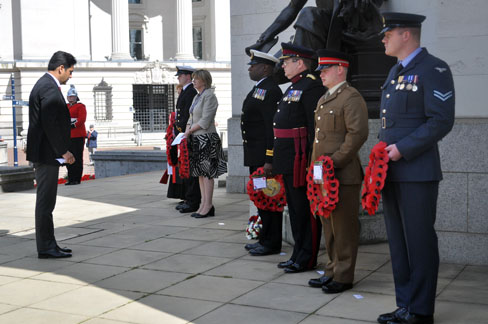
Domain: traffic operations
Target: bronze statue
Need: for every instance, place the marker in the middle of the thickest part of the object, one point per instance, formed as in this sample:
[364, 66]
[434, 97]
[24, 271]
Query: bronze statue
[324, 26]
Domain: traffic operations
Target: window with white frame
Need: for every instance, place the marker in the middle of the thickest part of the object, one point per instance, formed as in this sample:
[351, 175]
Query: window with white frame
[198, 42]
[136, 48]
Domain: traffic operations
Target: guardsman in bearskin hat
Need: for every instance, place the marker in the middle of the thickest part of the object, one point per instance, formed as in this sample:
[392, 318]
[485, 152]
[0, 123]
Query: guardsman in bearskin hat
[257, 115]
[294, 132]
[187, 189]
[341, 128]
[417, 111]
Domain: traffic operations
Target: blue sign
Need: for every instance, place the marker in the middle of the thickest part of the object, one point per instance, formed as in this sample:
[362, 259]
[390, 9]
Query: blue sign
[20, 103]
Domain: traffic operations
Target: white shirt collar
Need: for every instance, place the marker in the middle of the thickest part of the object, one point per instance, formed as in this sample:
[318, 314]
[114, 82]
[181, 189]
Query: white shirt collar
[52, 76]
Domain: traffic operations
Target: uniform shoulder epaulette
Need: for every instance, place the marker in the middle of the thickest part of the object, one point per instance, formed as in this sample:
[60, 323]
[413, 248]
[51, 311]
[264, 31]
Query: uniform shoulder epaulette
[311, 76]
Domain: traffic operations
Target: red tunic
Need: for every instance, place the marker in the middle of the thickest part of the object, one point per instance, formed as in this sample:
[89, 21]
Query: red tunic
[78, 111]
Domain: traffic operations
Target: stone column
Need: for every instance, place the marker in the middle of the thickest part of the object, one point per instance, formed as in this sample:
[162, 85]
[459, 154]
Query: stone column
[184, 34]
[120, 30]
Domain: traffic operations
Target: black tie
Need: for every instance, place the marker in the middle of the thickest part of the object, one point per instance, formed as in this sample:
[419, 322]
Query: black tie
[398, 68]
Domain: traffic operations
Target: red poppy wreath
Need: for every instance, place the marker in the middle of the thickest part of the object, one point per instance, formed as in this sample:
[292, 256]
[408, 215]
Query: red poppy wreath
[324, 196]
[374, 178]
[184, 168]
[272, 197]
[170, 136]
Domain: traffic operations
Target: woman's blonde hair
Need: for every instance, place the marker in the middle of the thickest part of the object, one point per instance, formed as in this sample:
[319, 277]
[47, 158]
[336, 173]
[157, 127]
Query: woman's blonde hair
[204, 76]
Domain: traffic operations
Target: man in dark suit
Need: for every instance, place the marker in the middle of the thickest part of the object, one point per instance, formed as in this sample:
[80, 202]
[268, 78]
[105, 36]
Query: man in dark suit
[417, 111]
[258, 110]
[190, 186]
[294, 132]
[48, 141]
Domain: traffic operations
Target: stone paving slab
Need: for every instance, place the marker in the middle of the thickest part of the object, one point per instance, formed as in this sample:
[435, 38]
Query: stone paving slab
[137, 260]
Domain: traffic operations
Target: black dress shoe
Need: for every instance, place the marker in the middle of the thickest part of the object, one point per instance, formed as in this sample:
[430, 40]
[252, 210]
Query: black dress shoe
[335, 287]
[53, 254]
[65, 249]
[72, 183]
[252, 246]
[188, 209]
[285, 264]
[295, 268]
[411, 318]
[263, 250]
[211, 212]
[181, 206]
[392, 317]
[319, 282]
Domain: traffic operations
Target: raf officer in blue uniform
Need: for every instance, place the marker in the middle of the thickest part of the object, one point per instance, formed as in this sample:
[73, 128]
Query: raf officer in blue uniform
[417, 111]
[294, 132]
[258, 110]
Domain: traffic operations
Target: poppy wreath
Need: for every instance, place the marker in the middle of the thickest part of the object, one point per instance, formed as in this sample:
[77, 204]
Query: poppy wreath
[262, 201]
[374, 178]
[183, 160]
[324, 196]
[170, 136]
[254, 227]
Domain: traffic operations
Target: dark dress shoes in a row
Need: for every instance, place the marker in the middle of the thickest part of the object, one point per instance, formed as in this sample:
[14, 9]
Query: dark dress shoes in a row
[319, 282]
[406, 317]
[252, 246]
[211, 212]
[393, 316]
[263, 250]
[295, 268]
[53, 254]
[72, 183]
[285, 264]
[186, 208]
[335, 287]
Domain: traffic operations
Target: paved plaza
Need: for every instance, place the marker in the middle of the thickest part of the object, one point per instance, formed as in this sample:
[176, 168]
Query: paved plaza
[137, 260]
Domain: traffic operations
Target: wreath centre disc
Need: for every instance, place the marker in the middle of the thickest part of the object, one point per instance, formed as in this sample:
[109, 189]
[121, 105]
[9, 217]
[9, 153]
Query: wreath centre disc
[273, 188]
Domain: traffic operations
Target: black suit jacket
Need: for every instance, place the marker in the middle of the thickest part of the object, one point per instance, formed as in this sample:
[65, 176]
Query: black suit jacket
[258, 110]
[49, 123]
[183, 105]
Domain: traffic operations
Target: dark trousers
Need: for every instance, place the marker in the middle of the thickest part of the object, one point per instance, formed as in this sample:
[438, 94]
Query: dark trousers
[75, 170]
[192, 191]
[305, 228]
[47, 189]
[270, 234]
[410, 212]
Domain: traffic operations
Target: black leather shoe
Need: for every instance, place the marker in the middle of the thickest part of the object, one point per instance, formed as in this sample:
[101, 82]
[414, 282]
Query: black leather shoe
[65, 249]
[285, 264]
[392, 317]
[72, 183]
[295, 268]
[188, 209]
[263, 250]
[181, 206]
[335, 287]
[411, 318]
[319, 282]
[53, 254]
[211, 212]
[252, 246]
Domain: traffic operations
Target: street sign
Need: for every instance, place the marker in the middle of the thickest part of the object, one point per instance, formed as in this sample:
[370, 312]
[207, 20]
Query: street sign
[7, 97]
[20, 103]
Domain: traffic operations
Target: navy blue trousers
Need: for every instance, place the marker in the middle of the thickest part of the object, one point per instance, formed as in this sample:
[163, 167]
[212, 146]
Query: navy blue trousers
[410, 212]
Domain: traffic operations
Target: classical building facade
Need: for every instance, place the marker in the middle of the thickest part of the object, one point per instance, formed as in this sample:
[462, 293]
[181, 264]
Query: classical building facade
[457, 33]
[127, 51]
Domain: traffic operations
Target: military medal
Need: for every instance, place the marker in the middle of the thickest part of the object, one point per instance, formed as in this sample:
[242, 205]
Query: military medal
[259, 94]
[409, 87]
[399, 82]
[402, 86]
[415, 87]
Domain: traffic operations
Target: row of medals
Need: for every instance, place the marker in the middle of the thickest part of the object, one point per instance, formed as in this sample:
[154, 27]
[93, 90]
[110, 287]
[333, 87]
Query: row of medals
[408, 83]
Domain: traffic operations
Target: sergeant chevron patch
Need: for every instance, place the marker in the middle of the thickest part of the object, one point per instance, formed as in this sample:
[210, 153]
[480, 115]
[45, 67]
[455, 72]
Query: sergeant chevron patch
[442, 96]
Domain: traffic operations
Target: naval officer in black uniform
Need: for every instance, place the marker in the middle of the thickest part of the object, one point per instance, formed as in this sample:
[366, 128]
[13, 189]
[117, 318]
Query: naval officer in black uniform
[257, 115]
[190, 187]
[294, 132]
[417, 111]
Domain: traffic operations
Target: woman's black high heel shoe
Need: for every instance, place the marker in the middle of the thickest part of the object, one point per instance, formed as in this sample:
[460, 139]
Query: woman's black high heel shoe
[211, 212]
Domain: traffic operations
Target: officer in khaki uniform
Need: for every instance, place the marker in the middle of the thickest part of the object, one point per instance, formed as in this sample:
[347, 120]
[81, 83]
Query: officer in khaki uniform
[341, 128]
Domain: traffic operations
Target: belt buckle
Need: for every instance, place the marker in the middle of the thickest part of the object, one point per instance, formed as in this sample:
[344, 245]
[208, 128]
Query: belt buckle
[383, 122]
